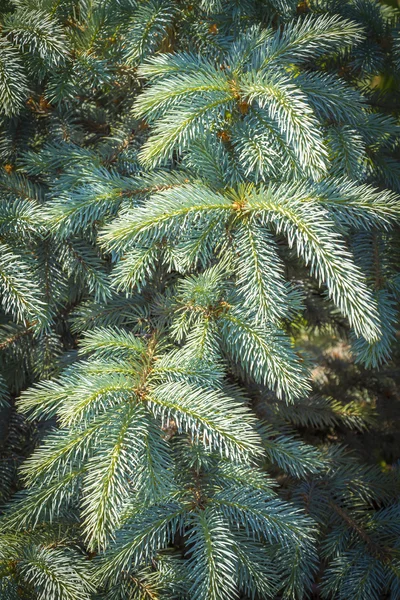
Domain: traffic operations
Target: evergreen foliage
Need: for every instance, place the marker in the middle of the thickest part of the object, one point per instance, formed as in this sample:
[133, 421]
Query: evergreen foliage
[188, 189]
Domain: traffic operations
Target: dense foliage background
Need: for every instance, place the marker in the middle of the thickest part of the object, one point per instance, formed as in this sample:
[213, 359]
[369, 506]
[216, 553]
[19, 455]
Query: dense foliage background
[199, 282]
